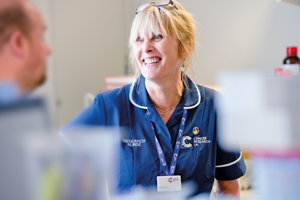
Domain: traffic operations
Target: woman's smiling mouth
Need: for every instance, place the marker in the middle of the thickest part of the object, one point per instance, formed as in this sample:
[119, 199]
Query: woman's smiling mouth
[151, 61]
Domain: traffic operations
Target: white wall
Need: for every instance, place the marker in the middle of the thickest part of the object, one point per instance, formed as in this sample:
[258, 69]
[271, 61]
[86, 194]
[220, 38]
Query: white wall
[47, 89]
[88, 45]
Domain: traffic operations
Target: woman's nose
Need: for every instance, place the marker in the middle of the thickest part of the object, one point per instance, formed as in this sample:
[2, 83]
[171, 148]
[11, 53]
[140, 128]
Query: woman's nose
[147, 46]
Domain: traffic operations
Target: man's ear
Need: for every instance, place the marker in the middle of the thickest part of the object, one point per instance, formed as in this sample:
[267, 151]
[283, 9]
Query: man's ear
[18, 44]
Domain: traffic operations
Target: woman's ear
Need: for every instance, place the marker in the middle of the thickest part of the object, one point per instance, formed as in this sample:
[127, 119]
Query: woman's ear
[186, 52]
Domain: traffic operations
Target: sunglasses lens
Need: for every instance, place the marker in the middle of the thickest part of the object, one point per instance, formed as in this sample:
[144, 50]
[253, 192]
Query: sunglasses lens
[142, 7]
[162, 2]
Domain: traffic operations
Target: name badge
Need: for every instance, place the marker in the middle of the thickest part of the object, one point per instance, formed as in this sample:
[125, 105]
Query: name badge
[168, 183]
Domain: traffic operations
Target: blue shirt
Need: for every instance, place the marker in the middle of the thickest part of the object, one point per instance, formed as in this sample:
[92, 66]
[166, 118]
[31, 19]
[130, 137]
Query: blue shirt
[9, 93]
[200, 158]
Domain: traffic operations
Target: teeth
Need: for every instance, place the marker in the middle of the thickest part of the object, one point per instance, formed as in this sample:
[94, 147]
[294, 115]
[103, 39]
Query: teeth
[150, 61]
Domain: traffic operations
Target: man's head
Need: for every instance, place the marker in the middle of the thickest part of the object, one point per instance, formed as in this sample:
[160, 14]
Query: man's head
[23, 51]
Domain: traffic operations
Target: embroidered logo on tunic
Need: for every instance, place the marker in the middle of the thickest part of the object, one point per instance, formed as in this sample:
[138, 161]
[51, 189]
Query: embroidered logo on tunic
[200, 140]
[195, 130]
[134, 142]
[184, 141]
[188, 142]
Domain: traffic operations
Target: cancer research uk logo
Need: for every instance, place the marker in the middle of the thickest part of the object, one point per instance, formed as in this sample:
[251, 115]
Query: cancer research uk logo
[188, 141]
[200, 140]
[134, 142]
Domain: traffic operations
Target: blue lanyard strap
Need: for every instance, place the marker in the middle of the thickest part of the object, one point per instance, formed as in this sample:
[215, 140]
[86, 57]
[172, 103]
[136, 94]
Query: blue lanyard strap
[176, 150]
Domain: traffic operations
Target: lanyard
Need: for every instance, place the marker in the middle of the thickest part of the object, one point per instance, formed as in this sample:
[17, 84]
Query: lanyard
[176, 150]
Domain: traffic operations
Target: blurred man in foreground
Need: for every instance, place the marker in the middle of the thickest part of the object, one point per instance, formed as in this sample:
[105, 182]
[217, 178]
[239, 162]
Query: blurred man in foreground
[23, 55]
[23, 50]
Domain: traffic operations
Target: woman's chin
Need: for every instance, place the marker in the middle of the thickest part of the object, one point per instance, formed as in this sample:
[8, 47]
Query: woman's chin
[149, 74]
[150, 78]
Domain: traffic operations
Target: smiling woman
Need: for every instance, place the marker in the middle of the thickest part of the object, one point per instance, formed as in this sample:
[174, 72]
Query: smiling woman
[174, 117]
[157, 57]
[164, 22]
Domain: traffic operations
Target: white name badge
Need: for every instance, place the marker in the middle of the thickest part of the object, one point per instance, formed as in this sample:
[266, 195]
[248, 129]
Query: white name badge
[168, 183]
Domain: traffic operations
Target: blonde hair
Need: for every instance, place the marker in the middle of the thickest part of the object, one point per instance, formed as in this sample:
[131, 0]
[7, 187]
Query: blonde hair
[169, 22]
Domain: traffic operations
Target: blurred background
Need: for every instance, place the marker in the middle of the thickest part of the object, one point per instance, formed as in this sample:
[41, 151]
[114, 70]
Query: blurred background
[90, 41]
[238, 41]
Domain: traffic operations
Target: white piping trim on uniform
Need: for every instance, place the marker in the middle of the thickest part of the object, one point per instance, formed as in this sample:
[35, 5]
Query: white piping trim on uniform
[130, 97]
[229, 164]
[199, 100]
[144, 107]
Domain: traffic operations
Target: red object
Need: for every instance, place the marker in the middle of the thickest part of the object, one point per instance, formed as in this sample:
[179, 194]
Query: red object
[291, 51]
[280, 73]
[283, 73]
[276, 70]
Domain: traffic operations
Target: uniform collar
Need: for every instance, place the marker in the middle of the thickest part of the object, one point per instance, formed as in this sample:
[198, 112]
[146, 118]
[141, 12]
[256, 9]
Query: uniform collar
[139, 97]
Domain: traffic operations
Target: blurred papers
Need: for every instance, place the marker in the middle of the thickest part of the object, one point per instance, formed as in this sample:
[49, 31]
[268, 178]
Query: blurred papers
[150, 193]
[258, 111]
[277, 177]
[19, 118]
[75, 166]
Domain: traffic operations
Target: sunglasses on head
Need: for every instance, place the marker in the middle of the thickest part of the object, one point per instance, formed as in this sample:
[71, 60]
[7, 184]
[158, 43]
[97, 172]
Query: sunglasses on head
[157, 4]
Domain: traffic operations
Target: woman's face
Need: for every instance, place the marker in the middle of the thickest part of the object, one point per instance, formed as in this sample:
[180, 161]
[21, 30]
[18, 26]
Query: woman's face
[157, 57]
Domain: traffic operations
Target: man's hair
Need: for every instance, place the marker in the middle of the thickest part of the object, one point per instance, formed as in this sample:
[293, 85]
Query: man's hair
[13, 17]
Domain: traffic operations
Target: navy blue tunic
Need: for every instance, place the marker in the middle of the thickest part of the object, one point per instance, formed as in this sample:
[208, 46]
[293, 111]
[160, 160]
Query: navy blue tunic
[200, 158]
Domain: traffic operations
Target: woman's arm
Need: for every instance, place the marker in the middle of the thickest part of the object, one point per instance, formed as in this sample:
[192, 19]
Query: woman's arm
[231, 188]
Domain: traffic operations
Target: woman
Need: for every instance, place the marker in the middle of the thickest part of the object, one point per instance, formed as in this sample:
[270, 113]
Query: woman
[172, 121]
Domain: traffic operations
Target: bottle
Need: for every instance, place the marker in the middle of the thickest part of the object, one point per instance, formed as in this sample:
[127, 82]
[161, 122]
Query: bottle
[291, 63]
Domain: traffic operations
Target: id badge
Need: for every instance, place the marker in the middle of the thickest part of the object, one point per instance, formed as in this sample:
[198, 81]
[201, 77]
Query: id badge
[168, 183]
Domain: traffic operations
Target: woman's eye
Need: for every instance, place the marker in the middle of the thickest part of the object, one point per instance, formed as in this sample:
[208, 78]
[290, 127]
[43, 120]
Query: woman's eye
[139, 39]
[157, 37]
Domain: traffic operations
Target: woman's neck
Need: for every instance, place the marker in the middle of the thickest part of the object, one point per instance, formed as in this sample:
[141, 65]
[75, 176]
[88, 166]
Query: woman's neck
[166, 95]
